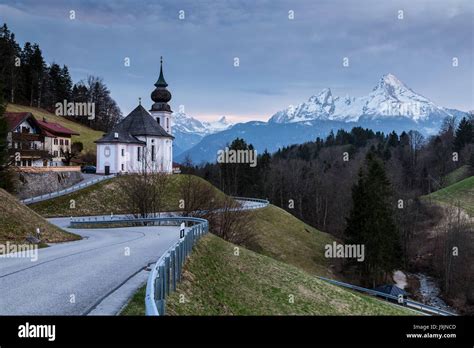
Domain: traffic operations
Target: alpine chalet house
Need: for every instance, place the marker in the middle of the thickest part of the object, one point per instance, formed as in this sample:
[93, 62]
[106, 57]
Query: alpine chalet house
[57, 141]
[142, 141]
[33, 143]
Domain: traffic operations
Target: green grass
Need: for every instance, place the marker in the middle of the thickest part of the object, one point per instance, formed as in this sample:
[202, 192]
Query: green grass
[105, 198]
[87, 135]
[283, 237]
[18, 222]
[457, 175]
[460, 193]
[217, 282]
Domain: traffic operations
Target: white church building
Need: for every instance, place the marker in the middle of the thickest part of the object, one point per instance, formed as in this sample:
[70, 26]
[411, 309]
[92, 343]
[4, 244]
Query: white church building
[142, 140]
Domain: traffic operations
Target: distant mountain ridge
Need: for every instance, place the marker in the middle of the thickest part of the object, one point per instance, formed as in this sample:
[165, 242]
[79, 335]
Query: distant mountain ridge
[389, 98]
[188, 130]
[390, 106]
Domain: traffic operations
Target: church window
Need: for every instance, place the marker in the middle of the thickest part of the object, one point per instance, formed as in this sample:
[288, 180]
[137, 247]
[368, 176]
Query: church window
[153, 153]
[123, 152]
[139, 154]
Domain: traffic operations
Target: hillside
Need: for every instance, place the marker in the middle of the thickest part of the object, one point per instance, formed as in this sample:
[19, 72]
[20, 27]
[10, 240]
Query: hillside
[461, 193]
[282, 236]
[216, 282]
[17, 222]
[105, 198]
[87, 135]
[457, 175]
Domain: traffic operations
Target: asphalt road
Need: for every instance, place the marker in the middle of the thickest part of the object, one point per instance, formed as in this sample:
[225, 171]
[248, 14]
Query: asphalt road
[72, 278]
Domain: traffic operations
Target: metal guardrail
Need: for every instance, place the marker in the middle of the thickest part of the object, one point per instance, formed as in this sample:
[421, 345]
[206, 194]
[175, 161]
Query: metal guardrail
[407, 302]
[66, 191]
[166, 272]
[258, 203]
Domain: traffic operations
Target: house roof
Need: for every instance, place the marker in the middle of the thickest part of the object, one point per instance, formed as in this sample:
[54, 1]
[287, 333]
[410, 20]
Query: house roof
[55, 129]
[49, 129]
[138, 122]
[15, 118]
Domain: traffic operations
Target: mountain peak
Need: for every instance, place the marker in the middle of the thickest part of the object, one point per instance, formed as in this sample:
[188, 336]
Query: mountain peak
[324, 97]
[223, 120]
[390, 83]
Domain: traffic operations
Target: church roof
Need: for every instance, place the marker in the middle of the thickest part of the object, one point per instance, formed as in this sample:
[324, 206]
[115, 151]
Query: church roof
[138, 122]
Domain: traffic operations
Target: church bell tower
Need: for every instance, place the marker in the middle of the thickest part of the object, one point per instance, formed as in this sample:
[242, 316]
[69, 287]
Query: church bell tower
[160, 110]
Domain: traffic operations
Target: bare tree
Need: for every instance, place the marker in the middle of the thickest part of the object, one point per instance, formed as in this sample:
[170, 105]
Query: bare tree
[144, 192]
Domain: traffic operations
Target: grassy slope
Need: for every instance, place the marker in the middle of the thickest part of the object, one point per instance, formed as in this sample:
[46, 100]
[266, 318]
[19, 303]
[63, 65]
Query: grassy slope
[457, 175]
[87, 135]
[104, 198]
[216, 282]
[283, 237]
[461, 193]
[18, 222]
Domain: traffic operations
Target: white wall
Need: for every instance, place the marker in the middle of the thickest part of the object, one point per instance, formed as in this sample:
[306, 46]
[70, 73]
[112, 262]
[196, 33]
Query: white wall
[163, 156]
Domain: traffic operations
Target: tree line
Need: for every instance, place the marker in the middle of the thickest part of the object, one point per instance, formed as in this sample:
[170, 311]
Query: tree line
[27, 79]
[354, 179]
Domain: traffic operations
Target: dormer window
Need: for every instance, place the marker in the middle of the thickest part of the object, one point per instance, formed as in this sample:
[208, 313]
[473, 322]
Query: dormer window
[116, 135]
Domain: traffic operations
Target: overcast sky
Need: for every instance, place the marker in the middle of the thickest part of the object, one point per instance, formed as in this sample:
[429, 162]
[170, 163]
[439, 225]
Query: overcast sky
[282, 61]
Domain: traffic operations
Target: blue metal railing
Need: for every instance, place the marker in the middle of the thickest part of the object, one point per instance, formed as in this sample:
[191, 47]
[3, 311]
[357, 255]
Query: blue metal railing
[407, 302]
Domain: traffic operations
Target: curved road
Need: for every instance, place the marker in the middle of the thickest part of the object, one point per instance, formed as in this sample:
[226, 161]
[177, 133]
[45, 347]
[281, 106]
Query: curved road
[72, 278]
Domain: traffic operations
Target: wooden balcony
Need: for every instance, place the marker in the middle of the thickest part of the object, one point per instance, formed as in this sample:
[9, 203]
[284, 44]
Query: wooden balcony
[22, 137]
[30, 153]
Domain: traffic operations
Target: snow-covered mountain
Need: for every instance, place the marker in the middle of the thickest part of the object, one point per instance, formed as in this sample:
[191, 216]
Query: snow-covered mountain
[188, 131]
[389, 98]
[390, 106]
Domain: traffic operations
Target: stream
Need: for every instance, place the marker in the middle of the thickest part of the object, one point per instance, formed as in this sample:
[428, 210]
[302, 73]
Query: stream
[430, 292]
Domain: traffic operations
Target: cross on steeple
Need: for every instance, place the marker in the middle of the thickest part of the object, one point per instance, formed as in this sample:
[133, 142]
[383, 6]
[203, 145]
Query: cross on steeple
[140, 101]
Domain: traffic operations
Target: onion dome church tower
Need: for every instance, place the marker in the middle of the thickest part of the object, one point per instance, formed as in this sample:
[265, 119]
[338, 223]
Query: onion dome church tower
[161, 110]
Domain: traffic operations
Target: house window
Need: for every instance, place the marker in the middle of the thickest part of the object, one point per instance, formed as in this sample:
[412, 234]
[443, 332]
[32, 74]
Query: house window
[123, 152]
[139, 154]
[55, 153]
[55, 141]
[66, 142]
[107, 151]
[61, 142]
[153, 153]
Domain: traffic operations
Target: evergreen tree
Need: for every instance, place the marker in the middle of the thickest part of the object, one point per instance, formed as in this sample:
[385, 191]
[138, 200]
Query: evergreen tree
[464, 134]
[371, 222]
[6, 181]
[10, 53]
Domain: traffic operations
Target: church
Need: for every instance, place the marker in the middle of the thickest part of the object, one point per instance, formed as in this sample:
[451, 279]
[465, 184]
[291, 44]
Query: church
[142, 141]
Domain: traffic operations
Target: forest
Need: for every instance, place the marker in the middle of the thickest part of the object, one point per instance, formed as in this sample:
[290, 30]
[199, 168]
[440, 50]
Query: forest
[27, 79]
[367, 187]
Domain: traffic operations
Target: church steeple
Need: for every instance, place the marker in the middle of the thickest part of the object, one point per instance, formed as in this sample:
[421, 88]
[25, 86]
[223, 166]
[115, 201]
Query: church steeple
[161, 96]
[161, 80]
